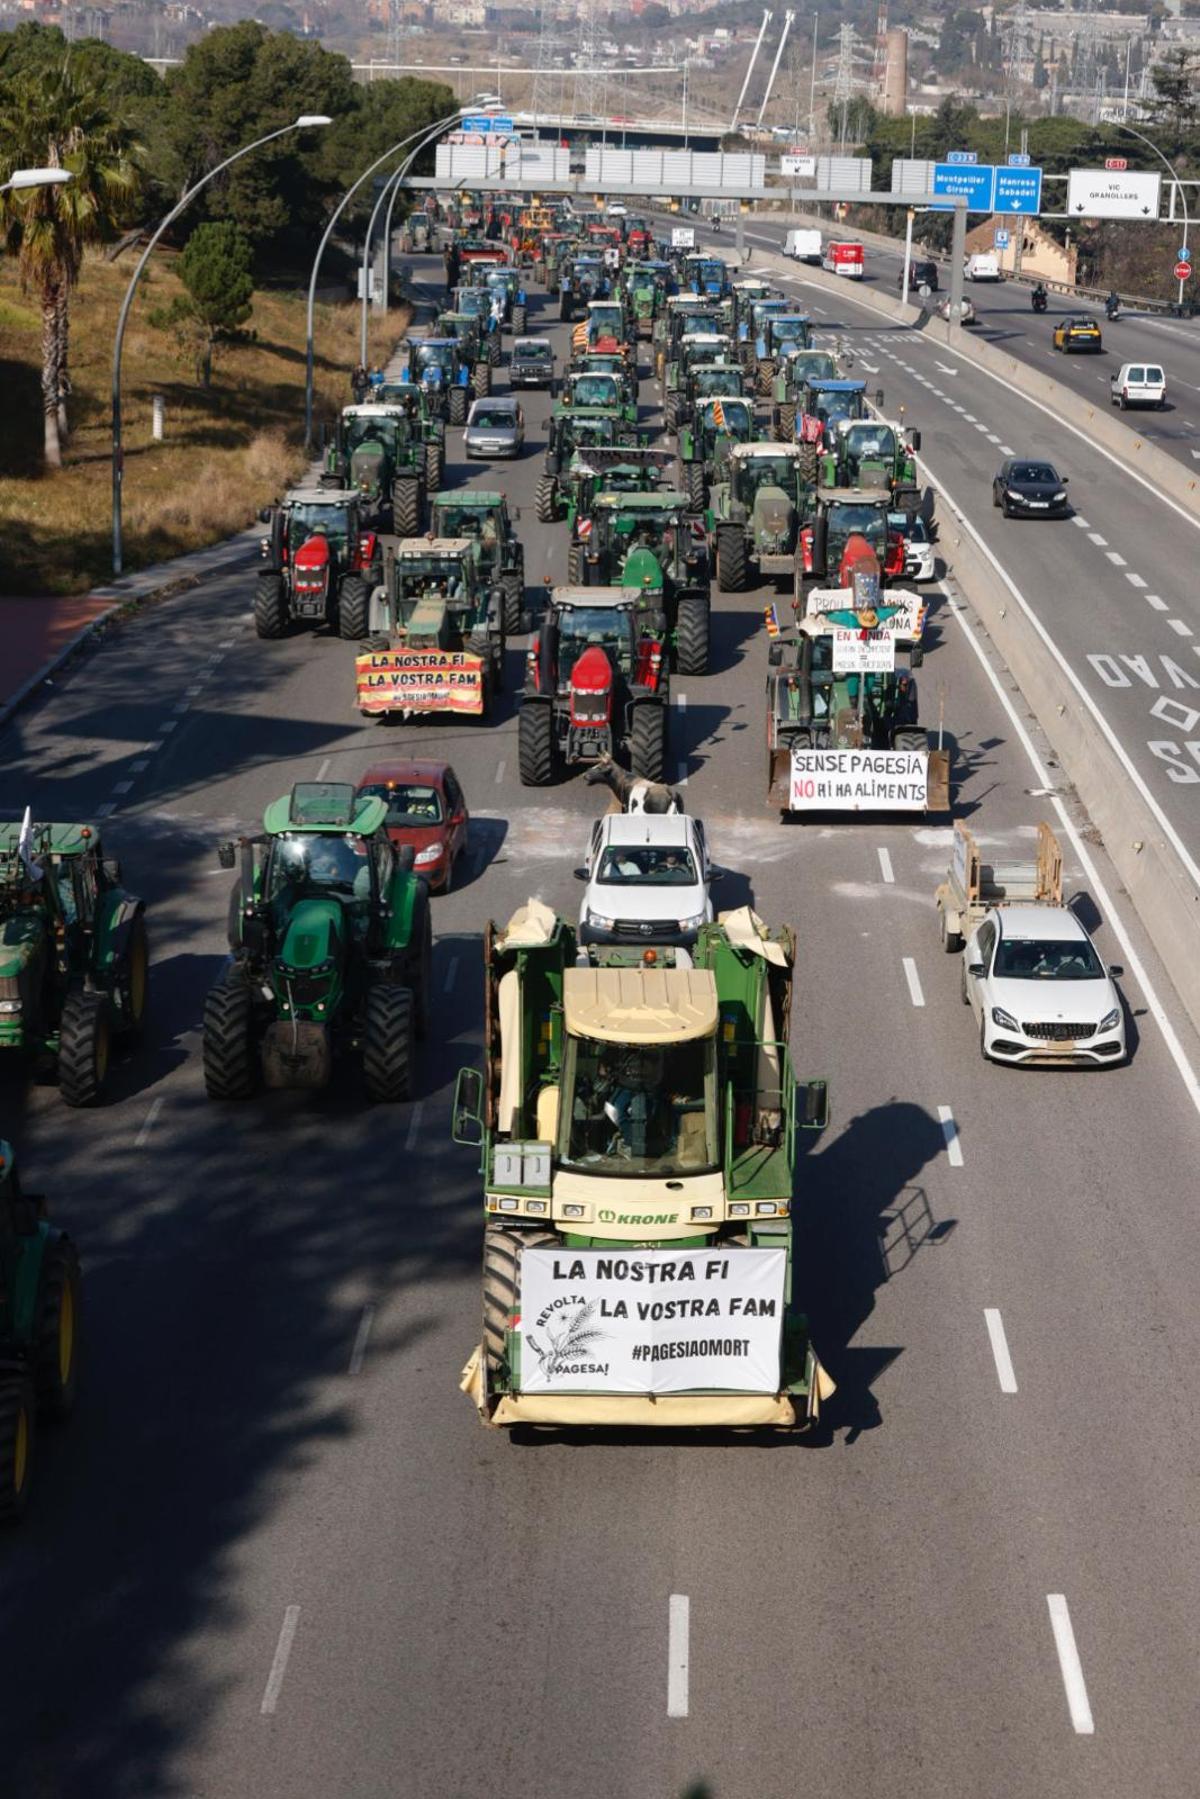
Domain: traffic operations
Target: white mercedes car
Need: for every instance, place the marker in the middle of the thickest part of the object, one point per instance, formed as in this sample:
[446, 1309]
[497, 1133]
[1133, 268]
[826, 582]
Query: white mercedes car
[1039, 991]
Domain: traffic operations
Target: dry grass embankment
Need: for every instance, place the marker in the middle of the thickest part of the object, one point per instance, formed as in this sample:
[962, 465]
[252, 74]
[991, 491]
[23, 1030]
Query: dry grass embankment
[227, 451]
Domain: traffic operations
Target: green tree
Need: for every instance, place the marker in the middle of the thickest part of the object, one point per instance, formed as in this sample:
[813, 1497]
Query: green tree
[52, 117]
[1175, 106]
[216, 268]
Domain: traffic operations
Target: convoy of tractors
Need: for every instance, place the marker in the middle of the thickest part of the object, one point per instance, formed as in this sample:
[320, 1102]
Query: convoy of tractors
[657, 1054]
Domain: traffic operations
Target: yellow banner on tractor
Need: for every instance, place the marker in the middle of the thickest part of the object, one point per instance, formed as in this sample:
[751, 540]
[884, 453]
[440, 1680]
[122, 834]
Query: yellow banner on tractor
[420, 681]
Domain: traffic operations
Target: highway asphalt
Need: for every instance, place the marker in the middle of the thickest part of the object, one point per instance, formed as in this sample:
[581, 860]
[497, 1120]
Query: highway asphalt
[276, 1554]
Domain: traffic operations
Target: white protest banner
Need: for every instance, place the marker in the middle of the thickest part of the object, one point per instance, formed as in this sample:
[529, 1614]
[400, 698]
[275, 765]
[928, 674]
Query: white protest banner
[683, 237]
[651, 1320]
[859, 780]
[863, 652]
[905, 622]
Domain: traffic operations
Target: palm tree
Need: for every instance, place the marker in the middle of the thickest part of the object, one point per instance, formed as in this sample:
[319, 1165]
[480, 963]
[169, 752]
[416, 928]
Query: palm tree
[53, 118]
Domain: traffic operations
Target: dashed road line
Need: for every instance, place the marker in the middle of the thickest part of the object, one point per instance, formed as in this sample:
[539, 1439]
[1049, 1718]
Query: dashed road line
[140, 766]
[885, 865]
[1116, 558]
[168, 724]
[678, 1621]
[914, 982]
[361, 1338]
[106, 810]
[123, 787]
[1134, 580]
[324, 768]
[1100, 542]
[681, 701]
[1178, 626]
[1007, 450]
[139, 1141]
[681, 779]
[999, 1342]
[1159, 605]
[1070, 1665]
[1081, 522]
[500, 768]
[283, 1649]
[950, 1133]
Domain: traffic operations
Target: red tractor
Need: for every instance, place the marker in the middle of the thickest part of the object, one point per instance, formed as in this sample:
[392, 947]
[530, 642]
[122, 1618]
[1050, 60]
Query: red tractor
[848, 534]
[321, 564]
[596, 681]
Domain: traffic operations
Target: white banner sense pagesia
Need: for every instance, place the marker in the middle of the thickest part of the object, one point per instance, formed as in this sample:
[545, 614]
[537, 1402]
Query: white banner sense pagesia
[859, 780]
[651, 1320]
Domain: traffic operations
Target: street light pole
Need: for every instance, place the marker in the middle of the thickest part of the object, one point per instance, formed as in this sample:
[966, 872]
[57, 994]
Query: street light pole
[301, 124]
[325, 237]
[1178, 184]
[23, 178]
[392, 185]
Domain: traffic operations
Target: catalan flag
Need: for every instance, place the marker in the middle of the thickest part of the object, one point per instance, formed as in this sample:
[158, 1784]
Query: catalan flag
[718, 413]
[579, 337]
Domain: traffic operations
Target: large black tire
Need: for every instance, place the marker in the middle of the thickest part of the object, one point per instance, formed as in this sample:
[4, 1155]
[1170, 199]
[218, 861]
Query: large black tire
[518, 321]
[648, 740]
[575, 565]
[135, 981]
[671, 412]
[691, 635]
[435, 467]
[503, 1248]
[695, 485]
[406, 506]
[270, 606]
[17, 1427]
[458, 405]
[493, 350]
[230, 1067]
[481, 379]
[545, 501]
[388, 1044]
[56, 1358]
[765, 378]
[809, 462]
[911, 737]
[952, 941]
[84, 1046]
[785, 429]
[535, 744]
[564, 307]
[354, 608]
[514, 603]
[731, 558]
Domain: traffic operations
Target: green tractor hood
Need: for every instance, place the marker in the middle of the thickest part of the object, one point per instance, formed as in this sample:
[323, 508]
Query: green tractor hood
[366, 466]
[774, 520]
[22, 941]
[314, 936]
[642, 570]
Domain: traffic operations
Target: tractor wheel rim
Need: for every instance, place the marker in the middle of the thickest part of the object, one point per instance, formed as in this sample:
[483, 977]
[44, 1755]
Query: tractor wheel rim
[66, 1334]
[101, 1048]
[137, 982]
[21, 1452]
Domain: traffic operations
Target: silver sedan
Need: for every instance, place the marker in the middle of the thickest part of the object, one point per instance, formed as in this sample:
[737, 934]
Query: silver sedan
[495, 428]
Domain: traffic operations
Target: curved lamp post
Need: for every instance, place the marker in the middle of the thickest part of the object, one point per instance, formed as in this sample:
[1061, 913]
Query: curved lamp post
[425, 130]
[391, 187]
[301, 124]
[1151, 145]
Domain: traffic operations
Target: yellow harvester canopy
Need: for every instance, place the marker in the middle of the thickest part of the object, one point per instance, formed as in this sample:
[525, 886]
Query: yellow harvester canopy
[640, 1005]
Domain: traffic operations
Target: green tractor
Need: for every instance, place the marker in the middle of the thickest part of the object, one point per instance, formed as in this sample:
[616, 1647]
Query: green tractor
[639, 1123]
[872, 453]
[601, 389]
[476, 303]
[39, 1331]
[418, 235]
[74, 955]
[695, 349]
[705, 442]
[436, 642]
[381, 454]
[757, 512]
[646, 543]
[579, 429]
[330, 936]
[425, 421]
[647, 286]
[781, 332]
[687, 315]
[702, 379]
[789, 388]
[620, 469]
[476, 513]
[465, 329]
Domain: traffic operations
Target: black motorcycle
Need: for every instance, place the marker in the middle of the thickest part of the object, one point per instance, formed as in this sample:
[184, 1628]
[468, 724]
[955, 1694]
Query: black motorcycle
[1039, 300]
[1112, 309]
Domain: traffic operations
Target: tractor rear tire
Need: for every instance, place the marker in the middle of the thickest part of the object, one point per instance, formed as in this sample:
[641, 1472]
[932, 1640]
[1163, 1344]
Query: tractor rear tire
[503, 1248]
[493, 350]
[911, 737]
[671, 412]
[545, 502]
[230, 1071]
[17, 1425]
[696, 485]
[575, 565]
[406, 506]
[514, 603]
[648, 740]
[388, 1044]
[56, 1359]
[765, 379]
[270, 606]
[537, 754]
[481, 380]
[136, 976]
[731, 558]
[785, 429]
[84, 1046]
[809, 462]
[691, 635]
[518, 321]
[354, 608]
[435, 466]
[458, 405]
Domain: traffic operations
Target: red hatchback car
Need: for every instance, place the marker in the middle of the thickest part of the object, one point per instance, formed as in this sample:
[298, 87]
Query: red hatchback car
[427, 810]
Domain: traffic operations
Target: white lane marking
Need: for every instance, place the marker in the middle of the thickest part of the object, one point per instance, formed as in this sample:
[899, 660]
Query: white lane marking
[914, 982]
[414, 1126]
[1071, 1666]
[984, 429]
[681, 779]
[324, 769]
[677, 1655]
[681, 701]
[283, 1649]
[1081, 522]
[992, 438]
[950, 1133]
[1006, 450]
[1135, 580]
[140, 766]
[451, 975]
[1116, 558]
[1178, 626]
[872, 368]
[148, 1126]
[969, 417]
[227, 643]
[122, 786]
[500, 768]
[1100, 542]
[106, 810]
[360, 1340]
[885, 865]
[192, 691]
[1004, 1367]
[168, 724]
[1159, 605]
[182, 706]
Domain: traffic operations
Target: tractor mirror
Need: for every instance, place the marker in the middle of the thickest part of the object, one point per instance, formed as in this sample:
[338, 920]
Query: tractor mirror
[264, 517]
[879, 396]
[774, 655]
[914, 440]
[225, 856]
[467, 1126]
[814, 1108]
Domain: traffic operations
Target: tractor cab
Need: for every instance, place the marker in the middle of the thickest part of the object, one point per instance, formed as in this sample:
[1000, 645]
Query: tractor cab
[800, 367]
[434, 362]
[753, 316]
[372, 440]
[318, 525]
[833, 401]
[597, 390]
[484, 518]
[706, 275]
[436, 587]
[762, 475]
[716, 380]
[850, 535]
[475, 302]
[605, 319]
[783, 331]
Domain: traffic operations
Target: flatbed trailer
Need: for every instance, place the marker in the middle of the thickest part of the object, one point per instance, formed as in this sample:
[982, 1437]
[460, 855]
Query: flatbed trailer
[973, 887]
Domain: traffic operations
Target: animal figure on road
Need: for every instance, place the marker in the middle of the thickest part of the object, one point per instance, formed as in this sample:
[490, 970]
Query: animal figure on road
[631, 793]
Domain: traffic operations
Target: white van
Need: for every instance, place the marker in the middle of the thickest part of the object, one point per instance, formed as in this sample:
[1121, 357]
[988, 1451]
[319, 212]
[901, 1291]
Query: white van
[983, 267]
[1138, 384]
[805, 246]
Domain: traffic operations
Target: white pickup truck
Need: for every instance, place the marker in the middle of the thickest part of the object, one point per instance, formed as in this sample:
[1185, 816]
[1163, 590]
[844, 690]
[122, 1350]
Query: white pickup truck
[648, 877]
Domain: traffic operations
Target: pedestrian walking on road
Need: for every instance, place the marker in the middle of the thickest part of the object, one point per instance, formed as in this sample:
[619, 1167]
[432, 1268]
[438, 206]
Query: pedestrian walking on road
[451, 260]
[359, 384]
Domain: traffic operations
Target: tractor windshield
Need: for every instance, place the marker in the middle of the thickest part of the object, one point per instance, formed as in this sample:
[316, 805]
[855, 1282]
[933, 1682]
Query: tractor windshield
[466, 521]
[765, 471]
[648, 1109]
[435, 356]
[701, 324]
[652, 531]
[847, 519]
[384, 431]
[811, 365]
[595, 390]
[783, 331]
[605, 321]
[441, 575]
[333, 864]
[407, 804]
[732, 417]
[718, 381]
[870, 443]
[306, 517]
[472, 300]
[611, 627]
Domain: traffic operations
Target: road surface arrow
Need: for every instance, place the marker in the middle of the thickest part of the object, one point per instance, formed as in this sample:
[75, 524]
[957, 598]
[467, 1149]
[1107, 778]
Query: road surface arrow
[944, 369]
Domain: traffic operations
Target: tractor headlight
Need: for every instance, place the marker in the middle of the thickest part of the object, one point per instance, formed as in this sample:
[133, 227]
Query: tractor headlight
[739, 1209]
[1109, 1022]
[701, 1212]
[1004, 1019]
[9, 1007]
[535, 1205]
[574, 1211]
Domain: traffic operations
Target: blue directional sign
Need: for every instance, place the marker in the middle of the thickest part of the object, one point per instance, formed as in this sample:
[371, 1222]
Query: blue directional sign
[1185, 254]
[976, 181]
[1018, 160]
[485, 123]
[961, 156]
[1000, 239]
[1018, 190]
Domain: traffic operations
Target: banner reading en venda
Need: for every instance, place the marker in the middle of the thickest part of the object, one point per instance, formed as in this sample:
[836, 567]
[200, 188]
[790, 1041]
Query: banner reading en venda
[859, 781]
[651, 1320]
[419, 681]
